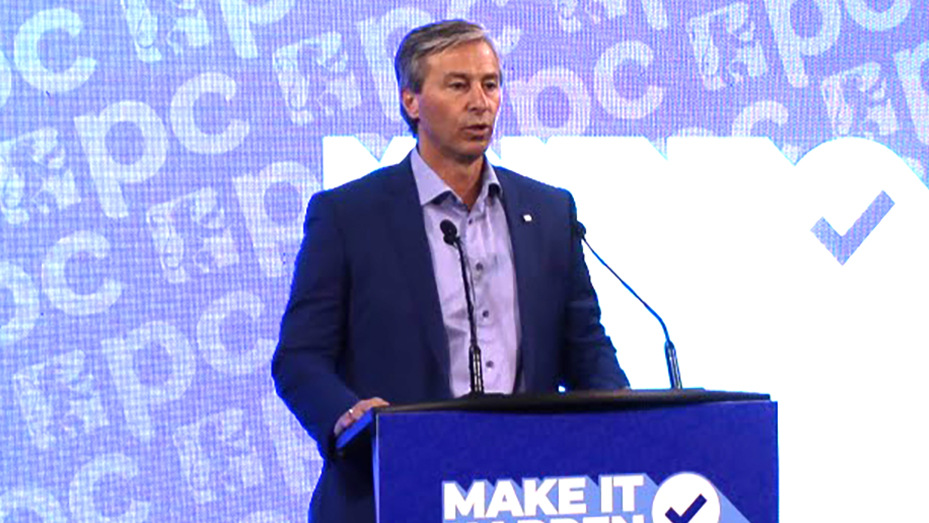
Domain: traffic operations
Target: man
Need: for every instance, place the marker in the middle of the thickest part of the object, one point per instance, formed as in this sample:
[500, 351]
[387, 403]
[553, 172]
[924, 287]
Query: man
[377, 311]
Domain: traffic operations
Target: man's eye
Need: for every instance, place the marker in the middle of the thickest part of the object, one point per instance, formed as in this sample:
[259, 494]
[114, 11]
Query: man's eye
[491, 86]
[457, 86]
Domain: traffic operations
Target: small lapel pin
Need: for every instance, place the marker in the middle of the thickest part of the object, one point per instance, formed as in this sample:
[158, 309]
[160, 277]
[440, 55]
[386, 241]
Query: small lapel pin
[527, 218]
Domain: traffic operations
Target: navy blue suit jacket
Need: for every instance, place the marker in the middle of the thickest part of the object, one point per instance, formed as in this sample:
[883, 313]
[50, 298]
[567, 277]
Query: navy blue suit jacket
[364, 318]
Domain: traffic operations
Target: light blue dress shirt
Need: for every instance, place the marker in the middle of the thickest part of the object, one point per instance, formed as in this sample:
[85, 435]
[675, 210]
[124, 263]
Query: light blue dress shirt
[485, 238]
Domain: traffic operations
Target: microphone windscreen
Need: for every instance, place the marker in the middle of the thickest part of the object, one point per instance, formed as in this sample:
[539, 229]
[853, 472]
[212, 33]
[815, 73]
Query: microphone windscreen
[579, 229]
[450, 231]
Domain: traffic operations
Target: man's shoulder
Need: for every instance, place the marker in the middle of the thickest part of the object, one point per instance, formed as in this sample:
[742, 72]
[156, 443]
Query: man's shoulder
[529, 186]
[374, 184]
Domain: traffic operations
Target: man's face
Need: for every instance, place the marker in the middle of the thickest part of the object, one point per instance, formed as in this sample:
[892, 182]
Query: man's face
[459, 101]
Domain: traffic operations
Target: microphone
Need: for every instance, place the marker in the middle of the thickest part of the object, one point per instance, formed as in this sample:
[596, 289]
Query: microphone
[450, 236]
[449, 231]
[670, 353]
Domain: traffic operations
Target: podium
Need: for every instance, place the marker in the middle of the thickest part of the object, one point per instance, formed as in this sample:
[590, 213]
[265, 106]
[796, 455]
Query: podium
[684, 456]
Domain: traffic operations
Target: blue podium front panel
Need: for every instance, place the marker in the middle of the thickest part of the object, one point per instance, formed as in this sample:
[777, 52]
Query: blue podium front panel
[707, 463]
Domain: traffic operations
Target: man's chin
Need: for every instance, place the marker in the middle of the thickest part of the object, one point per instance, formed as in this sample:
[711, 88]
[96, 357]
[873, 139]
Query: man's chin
[473, 151]
[477, 145]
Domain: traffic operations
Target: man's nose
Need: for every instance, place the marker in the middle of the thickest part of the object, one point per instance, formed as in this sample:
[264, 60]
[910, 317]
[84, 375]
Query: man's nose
[480, 99]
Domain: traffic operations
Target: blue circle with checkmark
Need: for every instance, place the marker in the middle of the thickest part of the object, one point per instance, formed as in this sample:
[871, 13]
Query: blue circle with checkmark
[686, 498]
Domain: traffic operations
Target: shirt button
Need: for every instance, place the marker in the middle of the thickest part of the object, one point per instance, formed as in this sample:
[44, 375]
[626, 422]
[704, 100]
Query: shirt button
[485, 314]
[479, 266]
[490, 364]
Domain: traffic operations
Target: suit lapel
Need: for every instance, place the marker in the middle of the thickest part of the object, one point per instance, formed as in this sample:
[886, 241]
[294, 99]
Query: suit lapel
[404, 217]
[521, 220]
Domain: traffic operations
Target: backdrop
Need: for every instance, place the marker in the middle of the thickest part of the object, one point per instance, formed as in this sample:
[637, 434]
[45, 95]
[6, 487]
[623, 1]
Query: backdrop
[756, 169]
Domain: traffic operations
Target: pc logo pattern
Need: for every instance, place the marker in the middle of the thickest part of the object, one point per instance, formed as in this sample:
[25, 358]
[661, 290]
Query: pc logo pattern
[156, 158]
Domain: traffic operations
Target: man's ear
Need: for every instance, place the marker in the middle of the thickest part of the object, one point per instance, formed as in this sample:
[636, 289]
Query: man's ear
[410, 103]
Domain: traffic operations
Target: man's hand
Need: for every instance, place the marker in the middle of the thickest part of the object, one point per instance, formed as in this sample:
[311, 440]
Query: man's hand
[355, 413]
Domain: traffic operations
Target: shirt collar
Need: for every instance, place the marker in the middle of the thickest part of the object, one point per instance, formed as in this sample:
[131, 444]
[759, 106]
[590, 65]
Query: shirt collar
[430, 186]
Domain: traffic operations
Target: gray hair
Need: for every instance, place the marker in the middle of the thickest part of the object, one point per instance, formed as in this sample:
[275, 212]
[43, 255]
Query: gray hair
[418, 44]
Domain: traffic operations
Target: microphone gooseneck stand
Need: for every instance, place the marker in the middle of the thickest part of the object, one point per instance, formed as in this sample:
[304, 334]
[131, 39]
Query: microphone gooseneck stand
[450, 235]
[670, 353]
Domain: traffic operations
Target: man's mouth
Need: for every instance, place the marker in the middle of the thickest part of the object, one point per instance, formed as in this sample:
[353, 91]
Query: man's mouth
[478, 128]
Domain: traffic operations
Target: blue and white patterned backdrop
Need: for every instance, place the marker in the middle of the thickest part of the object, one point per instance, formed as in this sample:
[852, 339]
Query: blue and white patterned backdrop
[757, 169]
